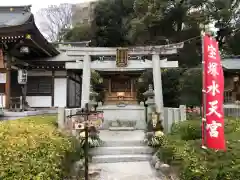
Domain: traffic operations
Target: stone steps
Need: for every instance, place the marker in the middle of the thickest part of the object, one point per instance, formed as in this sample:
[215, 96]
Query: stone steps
[121, 146]
[121, 128]
[121, 158]
[128, 150]
[122, 143]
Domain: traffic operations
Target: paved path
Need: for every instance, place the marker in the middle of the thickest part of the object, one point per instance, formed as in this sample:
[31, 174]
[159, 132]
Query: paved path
[125, 171]
[141, 170]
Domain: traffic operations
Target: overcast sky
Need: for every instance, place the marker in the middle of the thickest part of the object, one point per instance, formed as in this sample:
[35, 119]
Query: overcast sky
[38, 4]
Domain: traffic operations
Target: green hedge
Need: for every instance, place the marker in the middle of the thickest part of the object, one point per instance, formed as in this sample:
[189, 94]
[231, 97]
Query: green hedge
[33, 148]
[194, 163]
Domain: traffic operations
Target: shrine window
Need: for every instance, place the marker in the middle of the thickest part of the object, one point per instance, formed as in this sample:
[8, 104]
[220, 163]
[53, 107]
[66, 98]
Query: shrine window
[121, 85]
[2, 88]
[39, 86]
[106, 84]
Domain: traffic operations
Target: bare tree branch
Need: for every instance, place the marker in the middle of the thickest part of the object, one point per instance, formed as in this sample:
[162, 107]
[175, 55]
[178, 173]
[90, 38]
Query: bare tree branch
[54, 20]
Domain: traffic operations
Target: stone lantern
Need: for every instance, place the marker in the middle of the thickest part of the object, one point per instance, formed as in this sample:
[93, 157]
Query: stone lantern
[154, 123]
[149, 94]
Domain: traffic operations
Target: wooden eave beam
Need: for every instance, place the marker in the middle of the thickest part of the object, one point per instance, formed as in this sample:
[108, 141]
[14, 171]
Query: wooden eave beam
[11, 30]
[137, 49]
[11, 39]
[47, 67]
[39, 46]
[16, 61]
[29, 45]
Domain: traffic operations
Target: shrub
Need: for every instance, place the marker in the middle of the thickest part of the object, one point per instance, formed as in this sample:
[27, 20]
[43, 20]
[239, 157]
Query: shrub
[154, 139]
[170, 148]
[193, 113]
[195, 163]
[231, 126]
[33, 148]
[213, 165]
[93, 141]
[93, 136]
[187, 130]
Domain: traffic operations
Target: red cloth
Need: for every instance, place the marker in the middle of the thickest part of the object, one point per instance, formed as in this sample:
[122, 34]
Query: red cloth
[214, 92]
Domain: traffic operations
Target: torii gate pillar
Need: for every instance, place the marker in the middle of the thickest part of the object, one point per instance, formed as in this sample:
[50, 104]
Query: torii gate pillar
[86, 80]
[157, 80]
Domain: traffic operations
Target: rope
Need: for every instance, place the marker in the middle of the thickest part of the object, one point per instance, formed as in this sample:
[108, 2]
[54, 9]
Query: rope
[190, 39]
[196, 37]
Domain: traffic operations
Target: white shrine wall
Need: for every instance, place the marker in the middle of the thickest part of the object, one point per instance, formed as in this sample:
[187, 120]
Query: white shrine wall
[2, 100]
[39, 101]
[60, 91]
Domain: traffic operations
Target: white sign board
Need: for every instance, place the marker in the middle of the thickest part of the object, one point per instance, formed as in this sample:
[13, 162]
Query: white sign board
[22, 76]
[2, 78]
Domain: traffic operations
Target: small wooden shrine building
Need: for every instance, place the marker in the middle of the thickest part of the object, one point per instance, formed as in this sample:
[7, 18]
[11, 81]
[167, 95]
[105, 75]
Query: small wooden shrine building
[231, 66]
[22, 46]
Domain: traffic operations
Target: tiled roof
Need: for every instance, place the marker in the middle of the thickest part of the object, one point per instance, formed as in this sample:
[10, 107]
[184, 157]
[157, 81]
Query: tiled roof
[16, 22]
[231, 63]
[14, 15]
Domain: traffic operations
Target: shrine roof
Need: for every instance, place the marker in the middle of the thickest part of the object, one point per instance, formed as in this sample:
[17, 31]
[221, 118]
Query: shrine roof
[18, 29]
[232, 63]
[14, 16]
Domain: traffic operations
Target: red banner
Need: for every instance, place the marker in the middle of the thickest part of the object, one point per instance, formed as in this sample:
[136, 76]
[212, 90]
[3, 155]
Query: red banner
[213, 136]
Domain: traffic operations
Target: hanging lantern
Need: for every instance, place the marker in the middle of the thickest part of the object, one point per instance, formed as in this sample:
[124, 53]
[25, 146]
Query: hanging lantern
[235, 78]
[24, 50]
[140, 80]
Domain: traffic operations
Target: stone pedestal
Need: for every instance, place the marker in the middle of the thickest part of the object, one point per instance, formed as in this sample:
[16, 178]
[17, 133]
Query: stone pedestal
[129, 115]
[61, 117]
